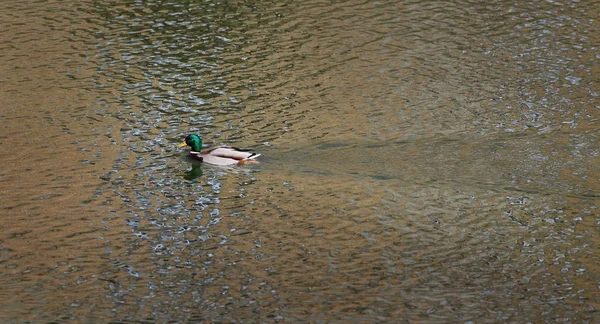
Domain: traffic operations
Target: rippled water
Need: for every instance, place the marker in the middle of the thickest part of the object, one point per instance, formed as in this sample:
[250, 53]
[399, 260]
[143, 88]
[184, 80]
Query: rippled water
[422, 161]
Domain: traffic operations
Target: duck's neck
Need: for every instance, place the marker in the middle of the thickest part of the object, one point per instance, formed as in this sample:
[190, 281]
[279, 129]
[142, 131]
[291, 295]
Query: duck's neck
[196, 146]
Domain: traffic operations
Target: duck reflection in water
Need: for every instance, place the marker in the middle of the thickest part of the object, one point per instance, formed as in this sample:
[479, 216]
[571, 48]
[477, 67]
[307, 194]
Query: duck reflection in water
[194, 173]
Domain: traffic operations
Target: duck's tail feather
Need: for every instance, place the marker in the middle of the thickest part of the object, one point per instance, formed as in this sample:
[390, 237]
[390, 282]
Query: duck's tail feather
[253, 156]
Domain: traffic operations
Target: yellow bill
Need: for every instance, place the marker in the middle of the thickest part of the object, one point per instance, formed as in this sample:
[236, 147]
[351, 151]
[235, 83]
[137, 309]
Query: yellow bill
[182, 144]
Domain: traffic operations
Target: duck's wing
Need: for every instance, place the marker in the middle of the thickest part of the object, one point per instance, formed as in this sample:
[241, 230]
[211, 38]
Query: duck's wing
[232, 153]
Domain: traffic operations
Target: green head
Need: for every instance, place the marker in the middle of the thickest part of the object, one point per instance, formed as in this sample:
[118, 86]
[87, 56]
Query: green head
[193, 141]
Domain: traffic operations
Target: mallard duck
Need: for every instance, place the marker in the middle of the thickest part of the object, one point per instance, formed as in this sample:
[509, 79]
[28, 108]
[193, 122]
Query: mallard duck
[222, 155]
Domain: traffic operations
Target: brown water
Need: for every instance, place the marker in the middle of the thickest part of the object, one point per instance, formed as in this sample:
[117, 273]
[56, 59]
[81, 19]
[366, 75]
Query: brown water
[422, 161]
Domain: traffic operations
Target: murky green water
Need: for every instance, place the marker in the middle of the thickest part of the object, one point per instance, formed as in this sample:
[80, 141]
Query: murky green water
[422, 161]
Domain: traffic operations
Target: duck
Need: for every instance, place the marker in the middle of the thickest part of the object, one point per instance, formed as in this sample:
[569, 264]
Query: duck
[222, 155]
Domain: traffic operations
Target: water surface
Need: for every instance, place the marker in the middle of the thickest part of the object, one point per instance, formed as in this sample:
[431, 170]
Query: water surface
[422, 161]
